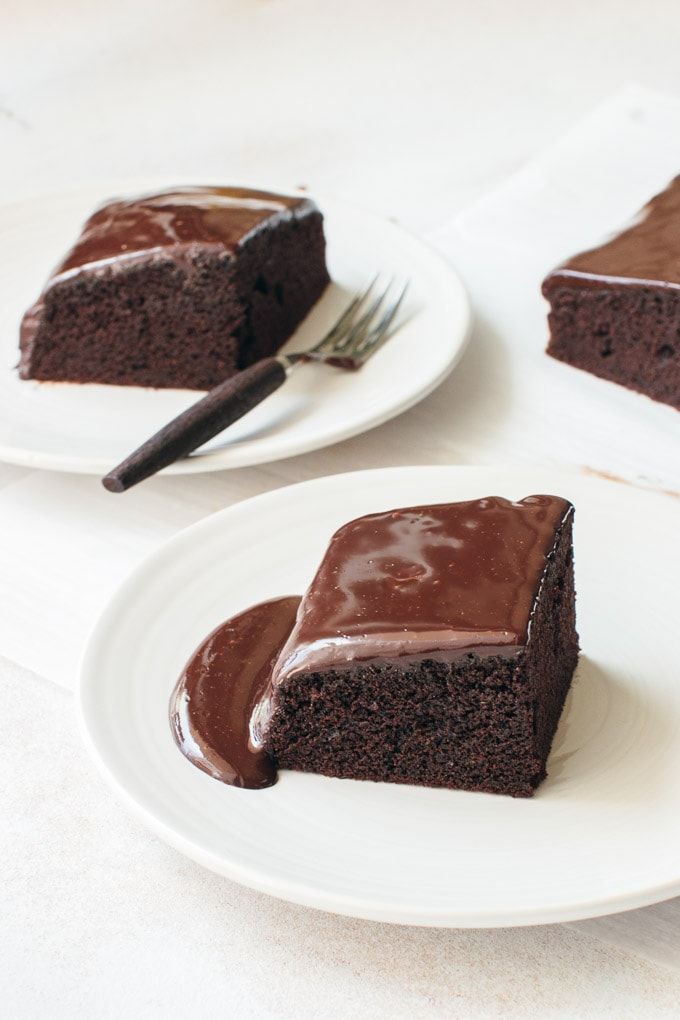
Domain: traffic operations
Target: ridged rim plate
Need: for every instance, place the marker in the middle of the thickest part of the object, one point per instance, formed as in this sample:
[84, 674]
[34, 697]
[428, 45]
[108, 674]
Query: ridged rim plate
[91, 428]
[603, 832]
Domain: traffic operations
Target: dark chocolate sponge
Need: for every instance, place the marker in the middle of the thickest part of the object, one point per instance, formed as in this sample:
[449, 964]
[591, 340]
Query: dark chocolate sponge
[180, 289]
[615, 310]
[435, 646]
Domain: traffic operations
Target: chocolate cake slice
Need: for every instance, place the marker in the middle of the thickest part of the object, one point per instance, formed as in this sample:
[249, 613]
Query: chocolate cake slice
[615, 310]
[435, 646]
[178, 289]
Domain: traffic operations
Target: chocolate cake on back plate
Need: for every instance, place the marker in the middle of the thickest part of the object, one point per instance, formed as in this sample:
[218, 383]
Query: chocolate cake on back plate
[615, 310]
[435, 645]
[178, 289]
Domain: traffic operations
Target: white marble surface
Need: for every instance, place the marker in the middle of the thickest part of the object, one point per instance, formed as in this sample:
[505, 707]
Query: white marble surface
[414, 109]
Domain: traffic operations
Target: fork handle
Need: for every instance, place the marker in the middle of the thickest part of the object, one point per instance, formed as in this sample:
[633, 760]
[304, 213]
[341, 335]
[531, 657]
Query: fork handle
[218, 409]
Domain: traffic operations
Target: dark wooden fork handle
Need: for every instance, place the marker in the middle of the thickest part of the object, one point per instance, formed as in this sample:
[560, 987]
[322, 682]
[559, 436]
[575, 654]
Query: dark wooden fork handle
[218, 409]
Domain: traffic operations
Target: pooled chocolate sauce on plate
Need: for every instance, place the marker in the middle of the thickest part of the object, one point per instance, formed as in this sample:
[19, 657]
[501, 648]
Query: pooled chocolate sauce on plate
[213, 700]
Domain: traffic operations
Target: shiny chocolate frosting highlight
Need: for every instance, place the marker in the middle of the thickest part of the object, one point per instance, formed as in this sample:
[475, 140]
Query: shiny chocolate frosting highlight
[648, 252]
[443, 579]
[222, 216]
[213, 700]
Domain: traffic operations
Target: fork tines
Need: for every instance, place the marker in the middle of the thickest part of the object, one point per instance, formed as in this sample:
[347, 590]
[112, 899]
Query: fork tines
[363, 325]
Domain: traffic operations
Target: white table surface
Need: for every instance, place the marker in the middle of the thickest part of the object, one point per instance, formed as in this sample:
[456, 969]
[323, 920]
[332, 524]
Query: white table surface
[414, 109]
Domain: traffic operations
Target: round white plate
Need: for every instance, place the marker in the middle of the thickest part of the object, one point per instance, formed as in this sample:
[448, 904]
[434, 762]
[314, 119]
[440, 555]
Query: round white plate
[91, 428]
[602, 833]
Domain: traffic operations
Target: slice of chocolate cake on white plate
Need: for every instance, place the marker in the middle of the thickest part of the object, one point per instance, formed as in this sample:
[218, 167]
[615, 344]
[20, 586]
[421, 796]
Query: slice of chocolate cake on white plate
[178, 289]
[435, 646]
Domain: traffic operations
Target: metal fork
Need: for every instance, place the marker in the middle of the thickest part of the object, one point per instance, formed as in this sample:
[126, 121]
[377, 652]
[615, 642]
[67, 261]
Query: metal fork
[365, 324]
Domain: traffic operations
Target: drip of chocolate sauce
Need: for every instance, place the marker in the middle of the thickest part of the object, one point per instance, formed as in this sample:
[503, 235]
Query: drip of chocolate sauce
[213, 700]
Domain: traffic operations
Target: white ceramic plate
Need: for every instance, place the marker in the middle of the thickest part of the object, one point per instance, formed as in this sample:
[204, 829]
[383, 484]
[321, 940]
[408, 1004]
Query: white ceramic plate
[91, 428]
[602, 833]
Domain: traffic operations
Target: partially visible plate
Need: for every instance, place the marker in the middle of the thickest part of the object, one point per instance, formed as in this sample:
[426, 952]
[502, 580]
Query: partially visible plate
[601, 835]
[90, 428]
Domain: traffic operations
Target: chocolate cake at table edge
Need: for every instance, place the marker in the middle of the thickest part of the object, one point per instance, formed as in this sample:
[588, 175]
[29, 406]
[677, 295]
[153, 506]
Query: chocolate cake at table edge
[435, 646]
[615, 310]
[177, 289]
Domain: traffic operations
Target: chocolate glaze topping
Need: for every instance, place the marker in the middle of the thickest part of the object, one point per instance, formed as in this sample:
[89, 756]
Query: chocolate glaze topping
[125, 229]
[433, 579]
[647, 252]
[213, 700]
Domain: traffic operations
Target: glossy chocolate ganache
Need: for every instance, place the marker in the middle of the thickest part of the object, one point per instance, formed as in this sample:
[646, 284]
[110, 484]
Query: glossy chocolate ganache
[428, 582]
[647, 252]
[128, 228]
